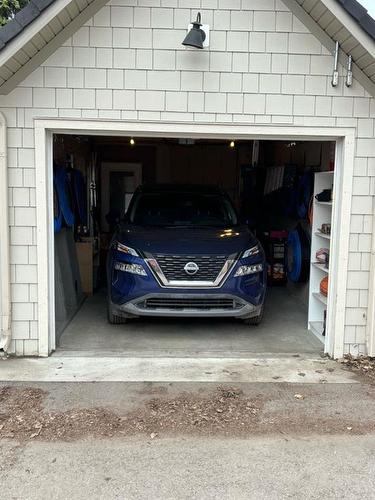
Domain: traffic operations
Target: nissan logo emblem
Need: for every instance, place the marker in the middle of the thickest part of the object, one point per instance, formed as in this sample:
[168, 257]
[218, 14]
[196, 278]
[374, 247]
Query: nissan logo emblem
[191, 268]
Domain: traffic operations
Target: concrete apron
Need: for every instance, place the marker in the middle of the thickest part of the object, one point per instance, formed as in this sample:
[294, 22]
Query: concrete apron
[119, 369]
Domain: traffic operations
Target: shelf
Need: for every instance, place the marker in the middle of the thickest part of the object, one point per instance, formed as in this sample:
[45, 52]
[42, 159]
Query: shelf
[320, 297]
[323, 235]
[321, 267]
[324, 203]
[322, 215]
[316, 327]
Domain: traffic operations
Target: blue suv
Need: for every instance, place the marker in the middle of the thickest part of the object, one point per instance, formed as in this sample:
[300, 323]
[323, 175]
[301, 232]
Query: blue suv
[181, 251]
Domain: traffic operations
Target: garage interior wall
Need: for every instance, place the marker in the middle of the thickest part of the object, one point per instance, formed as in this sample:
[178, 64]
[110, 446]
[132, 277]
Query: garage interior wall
[127, 63]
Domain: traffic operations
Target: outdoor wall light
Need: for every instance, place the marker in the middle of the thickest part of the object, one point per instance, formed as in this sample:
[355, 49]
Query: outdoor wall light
[132, 142]
[198, 34]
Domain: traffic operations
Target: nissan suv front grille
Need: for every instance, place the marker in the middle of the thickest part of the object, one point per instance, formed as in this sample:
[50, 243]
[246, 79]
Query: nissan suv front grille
[191, 271]
[173, 266]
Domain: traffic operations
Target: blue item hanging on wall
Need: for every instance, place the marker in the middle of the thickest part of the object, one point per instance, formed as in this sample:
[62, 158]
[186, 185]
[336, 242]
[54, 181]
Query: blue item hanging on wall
[57, 219]
[294, 257]
[64, 195]
[305, 191]
[80, 195]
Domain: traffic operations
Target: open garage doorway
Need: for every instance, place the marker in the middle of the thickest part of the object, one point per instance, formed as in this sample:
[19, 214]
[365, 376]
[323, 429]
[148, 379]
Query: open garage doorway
[282, 190]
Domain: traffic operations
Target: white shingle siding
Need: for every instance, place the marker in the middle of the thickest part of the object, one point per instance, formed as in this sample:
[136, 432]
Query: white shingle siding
[128, 63]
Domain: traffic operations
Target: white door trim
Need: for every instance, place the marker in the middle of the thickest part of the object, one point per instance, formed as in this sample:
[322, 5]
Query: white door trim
[339, 250]
[345, 137]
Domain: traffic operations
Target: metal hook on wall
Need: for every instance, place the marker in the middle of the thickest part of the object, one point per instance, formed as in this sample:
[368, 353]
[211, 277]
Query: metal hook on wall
[335, 75]
[349, 75]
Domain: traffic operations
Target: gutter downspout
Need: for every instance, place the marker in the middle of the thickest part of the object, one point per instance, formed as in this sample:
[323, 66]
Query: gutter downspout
[5, 304]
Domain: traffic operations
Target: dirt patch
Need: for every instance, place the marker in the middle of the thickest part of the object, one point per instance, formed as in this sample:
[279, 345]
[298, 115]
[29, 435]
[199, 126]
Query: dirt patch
[224, 411]
[22, 416]
[363, 365]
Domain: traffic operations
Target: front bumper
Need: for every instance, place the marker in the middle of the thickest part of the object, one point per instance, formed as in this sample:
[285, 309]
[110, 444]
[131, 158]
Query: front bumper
[188, 305]
[142, 295]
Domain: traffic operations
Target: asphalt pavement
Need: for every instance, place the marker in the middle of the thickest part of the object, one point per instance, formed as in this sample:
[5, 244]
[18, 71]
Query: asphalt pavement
[269, 468]
[121, 440]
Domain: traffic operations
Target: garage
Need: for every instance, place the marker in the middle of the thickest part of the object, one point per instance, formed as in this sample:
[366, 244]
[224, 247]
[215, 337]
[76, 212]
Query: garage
[272, 110]
[282, 190]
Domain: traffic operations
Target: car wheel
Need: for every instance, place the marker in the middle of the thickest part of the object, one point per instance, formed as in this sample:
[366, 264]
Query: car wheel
[113, 319]
[255, 320]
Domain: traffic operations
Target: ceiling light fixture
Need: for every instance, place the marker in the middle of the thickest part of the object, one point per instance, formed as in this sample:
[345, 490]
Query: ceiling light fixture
[232, 144]
[197, 36]
[132, 142]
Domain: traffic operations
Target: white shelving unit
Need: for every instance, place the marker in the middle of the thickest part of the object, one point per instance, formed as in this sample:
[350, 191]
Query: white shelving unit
[322, 214]
[322, 235]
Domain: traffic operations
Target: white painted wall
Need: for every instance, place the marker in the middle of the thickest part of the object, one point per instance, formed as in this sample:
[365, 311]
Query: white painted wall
[262, 67]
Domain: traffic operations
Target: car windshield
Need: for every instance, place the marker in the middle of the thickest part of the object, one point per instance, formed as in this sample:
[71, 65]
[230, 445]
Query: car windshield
[182, 209]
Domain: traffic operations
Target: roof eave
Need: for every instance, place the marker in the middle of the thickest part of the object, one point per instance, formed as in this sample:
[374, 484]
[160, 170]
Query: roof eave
[18, 41]
[329, 43]
[351, 24]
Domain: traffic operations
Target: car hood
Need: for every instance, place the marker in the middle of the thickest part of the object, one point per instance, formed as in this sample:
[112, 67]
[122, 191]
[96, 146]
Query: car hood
[187, 240]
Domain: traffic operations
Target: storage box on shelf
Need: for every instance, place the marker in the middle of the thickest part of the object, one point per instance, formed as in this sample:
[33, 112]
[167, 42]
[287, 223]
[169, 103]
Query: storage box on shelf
[321, 239]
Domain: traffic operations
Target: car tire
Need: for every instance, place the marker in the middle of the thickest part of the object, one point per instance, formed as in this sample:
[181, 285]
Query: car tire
[255, 320]
[114, 319]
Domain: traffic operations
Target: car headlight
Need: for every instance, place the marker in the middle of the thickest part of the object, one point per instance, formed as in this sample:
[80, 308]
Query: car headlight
[124, 249]
[245, 270]
[130, 268]
[251, 251]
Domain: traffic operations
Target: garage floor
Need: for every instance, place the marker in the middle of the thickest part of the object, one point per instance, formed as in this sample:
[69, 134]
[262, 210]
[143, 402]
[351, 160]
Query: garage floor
[283, 331]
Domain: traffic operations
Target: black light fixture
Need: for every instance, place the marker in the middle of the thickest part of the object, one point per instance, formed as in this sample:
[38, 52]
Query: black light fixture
[196, 35]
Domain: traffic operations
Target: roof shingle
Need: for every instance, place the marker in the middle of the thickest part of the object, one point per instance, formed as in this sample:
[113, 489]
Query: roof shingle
[360, 14]
[22, 19]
